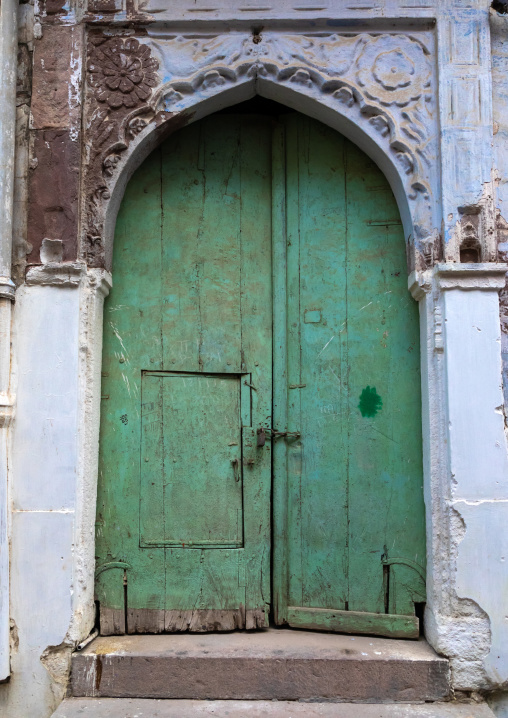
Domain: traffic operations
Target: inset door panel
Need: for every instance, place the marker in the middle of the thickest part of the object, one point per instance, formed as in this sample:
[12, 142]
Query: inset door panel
[191, 489]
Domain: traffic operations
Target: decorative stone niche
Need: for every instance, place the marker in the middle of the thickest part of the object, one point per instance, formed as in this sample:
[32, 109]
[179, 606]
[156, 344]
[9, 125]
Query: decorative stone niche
[477, 232]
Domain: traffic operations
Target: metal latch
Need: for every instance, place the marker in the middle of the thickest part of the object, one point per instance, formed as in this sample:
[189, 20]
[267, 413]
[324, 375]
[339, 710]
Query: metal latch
[263, 431]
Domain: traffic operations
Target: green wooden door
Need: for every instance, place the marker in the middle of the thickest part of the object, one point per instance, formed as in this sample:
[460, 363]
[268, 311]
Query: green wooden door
[227, 214]
[349, 520]
[183, 527]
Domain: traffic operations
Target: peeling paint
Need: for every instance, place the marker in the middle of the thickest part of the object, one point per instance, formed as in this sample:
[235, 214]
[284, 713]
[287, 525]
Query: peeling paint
[14, 636]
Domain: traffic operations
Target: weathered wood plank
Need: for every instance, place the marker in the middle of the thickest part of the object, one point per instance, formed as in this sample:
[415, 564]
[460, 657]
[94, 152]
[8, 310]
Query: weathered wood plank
[112, 621]
[194, 620]
[256, 310]
[293, 530]
[361, 622]
[280, 361]
[316, 300]
[145, 620]
[132, 342]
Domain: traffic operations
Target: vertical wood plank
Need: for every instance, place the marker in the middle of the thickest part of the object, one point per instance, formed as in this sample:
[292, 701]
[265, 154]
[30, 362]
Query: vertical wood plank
[256, 328]
[182, 198]
[320, 279]
[295, 548]
[280, 408]
[323, 318]
[201, 226]
[152, 483]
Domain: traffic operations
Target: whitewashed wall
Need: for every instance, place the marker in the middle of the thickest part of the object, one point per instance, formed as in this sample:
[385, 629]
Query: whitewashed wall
[499, 35]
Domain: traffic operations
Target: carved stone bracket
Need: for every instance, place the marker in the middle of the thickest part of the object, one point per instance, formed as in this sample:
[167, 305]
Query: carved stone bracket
[381, 82]
[57, 274]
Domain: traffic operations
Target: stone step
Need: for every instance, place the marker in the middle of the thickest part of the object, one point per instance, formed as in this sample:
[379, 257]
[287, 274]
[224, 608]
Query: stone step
[275, 664]
[154, 708]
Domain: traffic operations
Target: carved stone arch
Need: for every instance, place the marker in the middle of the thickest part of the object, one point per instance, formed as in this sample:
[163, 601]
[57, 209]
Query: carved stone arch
[374, 89]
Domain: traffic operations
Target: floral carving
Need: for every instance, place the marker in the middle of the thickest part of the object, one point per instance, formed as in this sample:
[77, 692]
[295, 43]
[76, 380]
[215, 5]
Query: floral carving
[213, 79]
[110, 163]
[301, 77]
[345, 95]
[135, 126]
[393, 69]
[122, 72]
[95, 224]
[380, 81]
[121, 76]
[396, 76]
[381, 124]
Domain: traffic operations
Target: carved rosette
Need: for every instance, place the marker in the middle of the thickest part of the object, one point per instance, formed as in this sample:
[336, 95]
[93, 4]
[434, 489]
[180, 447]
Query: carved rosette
[121, 75]
[122, 72]
[380, 81]
[396, 76]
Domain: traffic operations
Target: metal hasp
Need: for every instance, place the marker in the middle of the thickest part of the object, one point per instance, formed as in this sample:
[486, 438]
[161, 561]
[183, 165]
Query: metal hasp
[263, 431]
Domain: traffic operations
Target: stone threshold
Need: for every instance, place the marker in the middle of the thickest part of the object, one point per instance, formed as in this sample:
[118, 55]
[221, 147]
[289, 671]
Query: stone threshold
[274, 664]
[153, 708]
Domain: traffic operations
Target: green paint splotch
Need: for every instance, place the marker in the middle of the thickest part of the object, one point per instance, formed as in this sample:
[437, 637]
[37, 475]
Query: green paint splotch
[370, 402]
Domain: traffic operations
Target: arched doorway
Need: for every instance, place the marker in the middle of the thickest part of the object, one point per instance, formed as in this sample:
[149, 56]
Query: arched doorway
[260, 447]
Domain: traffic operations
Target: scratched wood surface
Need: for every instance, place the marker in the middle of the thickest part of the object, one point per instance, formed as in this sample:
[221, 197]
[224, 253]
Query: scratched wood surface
[229, 217]
[184, 495]
[354, 486]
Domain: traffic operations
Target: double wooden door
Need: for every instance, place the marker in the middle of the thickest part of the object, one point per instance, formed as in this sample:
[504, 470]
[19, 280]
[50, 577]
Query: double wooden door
[260, 445]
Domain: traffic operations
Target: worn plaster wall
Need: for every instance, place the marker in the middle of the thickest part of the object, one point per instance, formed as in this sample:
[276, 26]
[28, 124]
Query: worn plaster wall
[499, 35]
[43, 499]
[45, 379]
[499, 42]
[58, 314]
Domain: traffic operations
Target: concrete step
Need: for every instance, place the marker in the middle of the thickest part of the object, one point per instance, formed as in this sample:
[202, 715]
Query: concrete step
[275, 664]
[152, 708]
